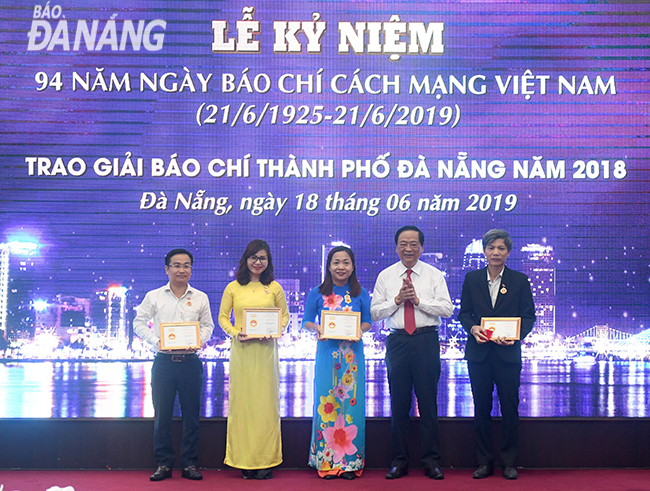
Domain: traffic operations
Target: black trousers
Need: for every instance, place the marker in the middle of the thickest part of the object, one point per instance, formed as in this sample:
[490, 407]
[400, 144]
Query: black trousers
[413, 362]
[169, 377]
[483, 376]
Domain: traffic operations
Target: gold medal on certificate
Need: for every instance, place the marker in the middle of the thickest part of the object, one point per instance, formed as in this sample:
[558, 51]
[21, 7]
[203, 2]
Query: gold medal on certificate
[502, 327]
[180, 336]
[262, 323]
[337, 324]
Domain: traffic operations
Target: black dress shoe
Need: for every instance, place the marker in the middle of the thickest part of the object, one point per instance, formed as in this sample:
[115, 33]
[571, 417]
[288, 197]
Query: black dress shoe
[329, 477]
[248, 474]
[397, 472]
[264, 474]
[434, 473]
[190, 472]
[510, 473]
[349, 476]
[162, 473]
[482, 472]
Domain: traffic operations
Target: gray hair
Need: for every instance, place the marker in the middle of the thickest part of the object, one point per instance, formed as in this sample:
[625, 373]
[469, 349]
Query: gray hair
[495, 234]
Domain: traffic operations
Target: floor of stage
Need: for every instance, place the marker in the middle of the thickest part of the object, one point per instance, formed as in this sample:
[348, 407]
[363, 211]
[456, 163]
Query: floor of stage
[372, 480]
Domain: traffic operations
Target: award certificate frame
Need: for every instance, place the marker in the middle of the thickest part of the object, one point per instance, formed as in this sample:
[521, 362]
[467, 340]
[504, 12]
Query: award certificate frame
[262, 322]
[180, 336]
[340, 324]
[506, 327]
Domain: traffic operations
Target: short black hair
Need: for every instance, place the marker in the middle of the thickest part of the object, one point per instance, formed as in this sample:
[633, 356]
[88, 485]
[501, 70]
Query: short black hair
[407, 228]
[173, 252]
[495, 234]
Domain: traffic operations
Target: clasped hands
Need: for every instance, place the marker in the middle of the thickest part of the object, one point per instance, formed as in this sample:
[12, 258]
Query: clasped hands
[245, 337]
[312, 326]
[185, 351]
[480, 334]
[407, 292]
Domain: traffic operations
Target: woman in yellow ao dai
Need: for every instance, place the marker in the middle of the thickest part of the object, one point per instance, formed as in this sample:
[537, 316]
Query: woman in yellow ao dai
[253, 441]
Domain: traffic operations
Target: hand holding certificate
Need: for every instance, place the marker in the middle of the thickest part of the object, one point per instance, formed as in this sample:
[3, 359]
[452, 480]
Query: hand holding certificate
[180, 336]
[336, 324]
[262, 323]
[507, 328]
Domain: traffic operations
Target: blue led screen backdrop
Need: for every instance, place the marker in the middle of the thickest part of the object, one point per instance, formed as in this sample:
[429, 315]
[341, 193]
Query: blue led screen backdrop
[130, 128]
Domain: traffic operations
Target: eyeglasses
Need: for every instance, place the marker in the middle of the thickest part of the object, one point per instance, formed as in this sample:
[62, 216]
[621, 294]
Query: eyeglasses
[178, 266]
[261, 259]
[406, 245]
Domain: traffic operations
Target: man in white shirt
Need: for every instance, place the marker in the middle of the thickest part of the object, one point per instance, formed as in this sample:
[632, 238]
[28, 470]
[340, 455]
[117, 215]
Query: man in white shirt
[412, 296]
[175, 371]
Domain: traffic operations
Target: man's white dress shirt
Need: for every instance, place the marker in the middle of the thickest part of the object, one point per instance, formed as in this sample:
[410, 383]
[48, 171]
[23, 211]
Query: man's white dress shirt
[162, 305]
[430, 287]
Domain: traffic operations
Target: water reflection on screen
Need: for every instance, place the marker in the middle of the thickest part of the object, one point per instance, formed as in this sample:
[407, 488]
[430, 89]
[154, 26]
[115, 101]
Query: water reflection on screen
[121, 389]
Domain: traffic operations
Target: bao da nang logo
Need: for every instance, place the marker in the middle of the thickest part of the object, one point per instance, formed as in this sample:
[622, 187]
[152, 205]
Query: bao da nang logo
[50, 31]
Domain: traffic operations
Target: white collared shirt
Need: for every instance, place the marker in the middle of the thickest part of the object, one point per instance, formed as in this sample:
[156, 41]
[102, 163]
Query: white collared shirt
[493, 286]
[162, 305]
[430, 287]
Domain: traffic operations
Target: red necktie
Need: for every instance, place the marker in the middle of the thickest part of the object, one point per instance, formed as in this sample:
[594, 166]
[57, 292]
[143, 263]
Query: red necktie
[409, 311]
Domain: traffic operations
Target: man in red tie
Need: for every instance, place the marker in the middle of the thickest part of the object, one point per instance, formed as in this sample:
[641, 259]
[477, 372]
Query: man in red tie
[412, 296]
